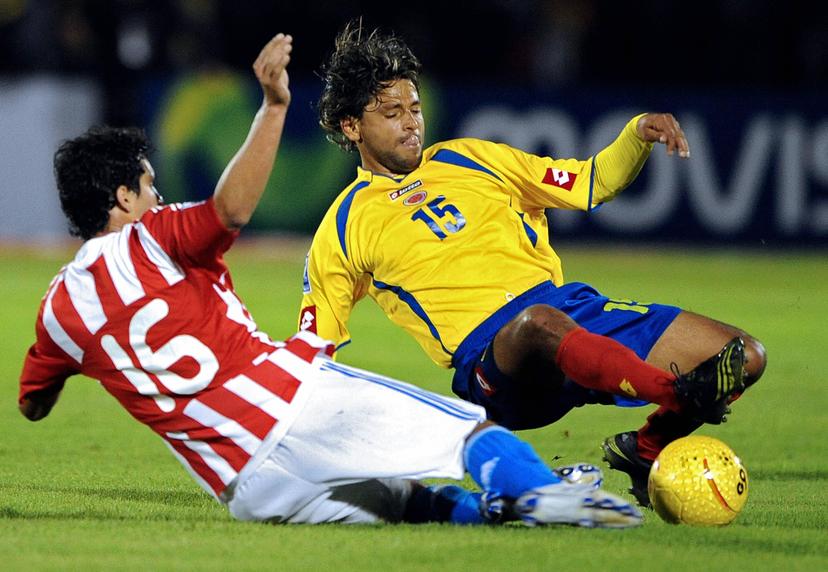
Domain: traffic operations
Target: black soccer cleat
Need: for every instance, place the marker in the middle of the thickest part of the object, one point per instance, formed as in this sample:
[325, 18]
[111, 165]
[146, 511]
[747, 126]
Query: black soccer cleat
[621, 454]
[705, 392]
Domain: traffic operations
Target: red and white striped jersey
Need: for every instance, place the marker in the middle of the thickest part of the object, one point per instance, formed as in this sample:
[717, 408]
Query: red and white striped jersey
[150, 312]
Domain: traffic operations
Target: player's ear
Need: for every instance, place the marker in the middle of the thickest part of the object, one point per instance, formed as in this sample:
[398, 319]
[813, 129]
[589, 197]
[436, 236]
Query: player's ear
[350, 128]
[124, 198]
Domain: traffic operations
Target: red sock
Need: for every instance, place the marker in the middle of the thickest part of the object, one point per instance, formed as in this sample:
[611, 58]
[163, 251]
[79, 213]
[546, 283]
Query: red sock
[601, 363]
[662, 428]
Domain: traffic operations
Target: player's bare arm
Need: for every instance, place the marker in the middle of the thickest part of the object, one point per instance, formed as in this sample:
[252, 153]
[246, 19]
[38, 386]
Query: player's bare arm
[664, 128]
[244, 180]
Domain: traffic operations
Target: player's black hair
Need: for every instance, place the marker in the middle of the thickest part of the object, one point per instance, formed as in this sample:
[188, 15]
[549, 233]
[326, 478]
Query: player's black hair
[361, 65]
[90, 168]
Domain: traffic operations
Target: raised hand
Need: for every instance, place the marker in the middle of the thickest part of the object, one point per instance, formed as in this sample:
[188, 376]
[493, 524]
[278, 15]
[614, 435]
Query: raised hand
[663, 128]
[271, 69]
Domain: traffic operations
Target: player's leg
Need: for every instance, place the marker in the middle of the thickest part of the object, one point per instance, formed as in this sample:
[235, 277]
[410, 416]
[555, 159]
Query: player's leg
[520, 364]
[275, 493]
[509, 470]
[524, 347]
[359, 427]
[546, 336]
[536, 396]
[354, 452]
[688, 341]
[692, 338]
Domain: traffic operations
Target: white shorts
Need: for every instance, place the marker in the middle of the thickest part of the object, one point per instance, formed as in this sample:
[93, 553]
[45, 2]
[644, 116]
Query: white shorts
[352, 451]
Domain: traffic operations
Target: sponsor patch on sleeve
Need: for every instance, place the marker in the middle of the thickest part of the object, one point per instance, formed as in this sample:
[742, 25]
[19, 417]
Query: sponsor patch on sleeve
[559, 178]
[307, 322]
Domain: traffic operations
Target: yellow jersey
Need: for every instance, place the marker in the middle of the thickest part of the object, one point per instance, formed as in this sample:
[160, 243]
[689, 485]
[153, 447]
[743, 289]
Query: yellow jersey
[443, 247]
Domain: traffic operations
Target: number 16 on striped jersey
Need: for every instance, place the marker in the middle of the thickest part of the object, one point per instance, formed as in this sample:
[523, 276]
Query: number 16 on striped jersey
[157, 362]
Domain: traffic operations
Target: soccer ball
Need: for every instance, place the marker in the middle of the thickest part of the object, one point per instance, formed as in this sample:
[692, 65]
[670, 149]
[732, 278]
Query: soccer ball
[699, 481]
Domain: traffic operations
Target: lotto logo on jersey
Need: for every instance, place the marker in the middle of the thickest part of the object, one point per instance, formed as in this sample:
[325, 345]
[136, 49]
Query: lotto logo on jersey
[307, 321]
[394, 195]
[558, 178]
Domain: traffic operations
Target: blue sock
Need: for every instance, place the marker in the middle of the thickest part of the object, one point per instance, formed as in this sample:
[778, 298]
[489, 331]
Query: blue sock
[443, 503]
[466, 508]
[500, 462]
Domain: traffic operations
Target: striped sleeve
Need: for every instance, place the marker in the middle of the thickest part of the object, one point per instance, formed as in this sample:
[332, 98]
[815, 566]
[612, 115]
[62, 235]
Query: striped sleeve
[48, 362]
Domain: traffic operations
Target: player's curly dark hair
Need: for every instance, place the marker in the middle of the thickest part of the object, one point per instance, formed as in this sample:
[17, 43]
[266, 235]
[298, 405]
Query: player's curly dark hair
[90, 168]
[361, 65]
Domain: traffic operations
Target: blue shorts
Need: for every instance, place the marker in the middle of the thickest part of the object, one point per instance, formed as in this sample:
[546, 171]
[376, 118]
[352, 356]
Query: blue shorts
[524, 406]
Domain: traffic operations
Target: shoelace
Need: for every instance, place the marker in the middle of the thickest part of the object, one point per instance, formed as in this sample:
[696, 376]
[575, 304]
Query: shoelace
[674, 369]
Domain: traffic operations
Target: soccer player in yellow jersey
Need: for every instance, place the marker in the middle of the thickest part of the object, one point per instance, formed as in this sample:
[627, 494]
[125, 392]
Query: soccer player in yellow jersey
[452, 243]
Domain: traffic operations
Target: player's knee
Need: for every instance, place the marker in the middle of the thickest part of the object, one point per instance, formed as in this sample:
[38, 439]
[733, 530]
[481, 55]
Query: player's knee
[756, 359]
[543, 324]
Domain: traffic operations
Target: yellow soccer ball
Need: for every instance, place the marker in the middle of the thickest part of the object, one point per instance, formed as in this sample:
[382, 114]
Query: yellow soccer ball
[699, 481]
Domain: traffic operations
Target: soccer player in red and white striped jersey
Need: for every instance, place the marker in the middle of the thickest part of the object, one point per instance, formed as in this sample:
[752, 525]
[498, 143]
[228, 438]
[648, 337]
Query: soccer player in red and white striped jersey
[275, 430]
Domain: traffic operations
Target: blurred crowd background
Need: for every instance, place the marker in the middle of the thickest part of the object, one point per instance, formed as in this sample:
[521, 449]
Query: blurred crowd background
[751, 77]
[539, 44]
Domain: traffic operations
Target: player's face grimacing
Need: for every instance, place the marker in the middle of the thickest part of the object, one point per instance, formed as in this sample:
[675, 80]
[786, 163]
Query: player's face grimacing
[390, 132]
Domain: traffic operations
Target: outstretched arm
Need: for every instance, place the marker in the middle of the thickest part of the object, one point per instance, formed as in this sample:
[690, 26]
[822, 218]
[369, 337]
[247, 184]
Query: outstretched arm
[546, 182]
[245, 177]
[620, 162]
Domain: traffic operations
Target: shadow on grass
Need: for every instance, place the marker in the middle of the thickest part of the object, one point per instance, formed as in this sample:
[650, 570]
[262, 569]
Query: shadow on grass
[790, 547]
[167, 498]
[171, 499]
[10, 513]
[786, 475]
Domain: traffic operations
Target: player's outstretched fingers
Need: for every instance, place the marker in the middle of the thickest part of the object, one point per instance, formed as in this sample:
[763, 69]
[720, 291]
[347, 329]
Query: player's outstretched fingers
[676, 140]
[681, 141]
[663, 128]
[671, 141]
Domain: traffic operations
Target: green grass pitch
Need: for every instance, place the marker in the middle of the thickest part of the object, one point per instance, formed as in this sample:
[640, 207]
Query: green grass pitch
[89, 488]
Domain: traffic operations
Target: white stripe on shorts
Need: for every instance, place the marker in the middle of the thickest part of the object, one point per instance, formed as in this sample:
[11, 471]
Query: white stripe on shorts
[445, 404]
